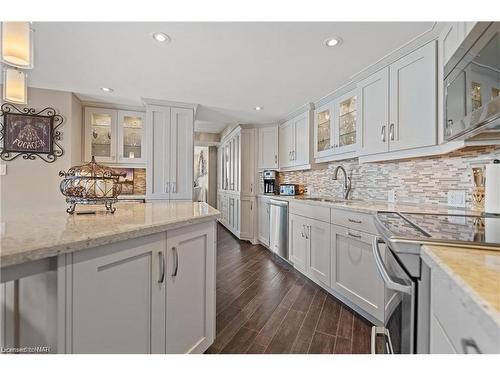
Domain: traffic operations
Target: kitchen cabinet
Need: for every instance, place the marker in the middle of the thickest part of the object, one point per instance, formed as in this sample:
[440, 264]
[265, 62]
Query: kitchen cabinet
[170, 153]
[152, 294]
[263, 224]
[297, 241]
[236, 176]
[318, 249]
[294, 142]
[268, 148]
[335, 127]
[452, 36]
[114, 136]
[389, 118]
[353, 271]
[117, 302]
[190, 289]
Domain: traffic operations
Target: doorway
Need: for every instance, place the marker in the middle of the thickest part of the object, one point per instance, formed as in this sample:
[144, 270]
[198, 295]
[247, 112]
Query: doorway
[205, 175]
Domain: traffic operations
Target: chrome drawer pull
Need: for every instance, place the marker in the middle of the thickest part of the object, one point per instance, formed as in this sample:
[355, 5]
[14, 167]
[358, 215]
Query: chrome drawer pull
[349, 233]
[354, 221]
[470, 343]
[162, 267]
[176, 261]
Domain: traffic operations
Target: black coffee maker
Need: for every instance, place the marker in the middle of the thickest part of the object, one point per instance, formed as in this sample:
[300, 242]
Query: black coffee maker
[270, 183]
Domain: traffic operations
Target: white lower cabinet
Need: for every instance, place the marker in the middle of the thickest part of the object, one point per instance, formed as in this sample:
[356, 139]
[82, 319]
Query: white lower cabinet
[318, 235]
[153, 294]
[297, 241]
[246, 206]
[263, 223]
[353, 270]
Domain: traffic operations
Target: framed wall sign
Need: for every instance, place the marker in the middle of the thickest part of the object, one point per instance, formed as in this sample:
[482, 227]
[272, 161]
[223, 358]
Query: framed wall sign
[30, 134]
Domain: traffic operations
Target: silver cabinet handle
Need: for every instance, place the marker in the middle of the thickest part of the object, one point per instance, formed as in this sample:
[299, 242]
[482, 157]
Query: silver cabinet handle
[167, 187]
[162, 267]
[251, 188]
[302, 231]
[293, 155]
[349, 233]
[391, 132]
[470, 343]
[275, 159]
[174, 187]
[176, 261]
[389, 283]
[354, 221]
[382, 133]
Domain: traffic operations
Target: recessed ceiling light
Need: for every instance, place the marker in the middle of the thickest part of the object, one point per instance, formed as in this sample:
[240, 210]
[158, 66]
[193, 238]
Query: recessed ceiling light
[107, 89]
[333, 42]
[258, 108]
[161, 37]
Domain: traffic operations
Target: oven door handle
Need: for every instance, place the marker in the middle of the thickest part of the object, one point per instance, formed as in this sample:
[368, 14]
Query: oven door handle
[389, 283]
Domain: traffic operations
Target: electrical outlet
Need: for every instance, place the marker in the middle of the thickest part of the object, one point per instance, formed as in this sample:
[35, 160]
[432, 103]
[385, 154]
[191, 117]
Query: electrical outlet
[456, 198]
[3, 169]
[391, 196]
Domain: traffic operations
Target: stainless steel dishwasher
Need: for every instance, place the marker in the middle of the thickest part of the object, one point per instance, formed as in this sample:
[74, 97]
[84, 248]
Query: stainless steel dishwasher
[278, 231]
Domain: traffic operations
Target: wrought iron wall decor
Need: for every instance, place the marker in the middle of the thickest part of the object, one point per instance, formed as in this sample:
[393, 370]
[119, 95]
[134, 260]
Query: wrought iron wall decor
[30, 134]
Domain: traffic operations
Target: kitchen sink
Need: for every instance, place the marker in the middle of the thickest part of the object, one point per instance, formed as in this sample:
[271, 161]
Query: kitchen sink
[329, 200]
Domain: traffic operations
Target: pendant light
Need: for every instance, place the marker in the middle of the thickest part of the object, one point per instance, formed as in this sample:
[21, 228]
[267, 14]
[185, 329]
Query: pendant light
[14, 86]
[17, 44]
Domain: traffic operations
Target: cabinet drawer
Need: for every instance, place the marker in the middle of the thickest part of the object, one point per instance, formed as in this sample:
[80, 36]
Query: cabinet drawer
[461, 319]
[354, 220]
[311, 211]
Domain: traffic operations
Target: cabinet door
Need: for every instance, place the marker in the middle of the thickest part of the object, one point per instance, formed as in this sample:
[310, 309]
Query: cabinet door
[100, 134]
[297, 241]
[323, 131]
[117, 302]
[246, 215]
[246, 161]
[268, 148]
[131, 140]
[300, 152]
[451, 38]
[181, 153]
[263, 221]
[286, 144]
[158, 140]
[413, 117]
[346, 124]
[190, 291]
[318, 236]
[353, 270]
[373, 115]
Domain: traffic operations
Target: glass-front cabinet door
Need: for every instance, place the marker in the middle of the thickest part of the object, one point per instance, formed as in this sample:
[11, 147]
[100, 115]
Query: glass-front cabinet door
[100, 126]
[346, 123]
[323, 131]
[130, 137]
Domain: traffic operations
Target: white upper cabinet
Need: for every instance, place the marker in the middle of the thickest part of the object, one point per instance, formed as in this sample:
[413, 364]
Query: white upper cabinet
[268, 148]
[374, 112]
[114, 136]
[294, 142]
[413, 103]
[452, 36]
[398, 104]
[336, 127]
[170, 153]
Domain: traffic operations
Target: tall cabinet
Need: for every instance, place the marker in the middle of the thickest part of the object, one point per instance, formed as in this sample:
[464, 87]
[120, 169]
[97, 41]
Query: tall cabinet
[236, 182]
[170, 133]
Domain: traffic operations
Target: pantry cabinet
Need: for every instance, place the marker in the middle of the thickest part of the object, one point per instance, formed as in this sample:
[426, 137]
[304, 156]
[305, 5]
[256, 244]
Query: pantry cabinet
[294, 142]
[353, 270]
[152, 294]
[114, 136]
[170, 153]
[267, 148]
[236, 175]
[398, 104]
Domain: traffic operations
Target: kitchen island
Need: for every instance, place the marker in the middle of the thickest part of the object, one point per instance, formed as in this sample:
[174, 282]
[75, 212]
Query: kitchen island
[141, 280]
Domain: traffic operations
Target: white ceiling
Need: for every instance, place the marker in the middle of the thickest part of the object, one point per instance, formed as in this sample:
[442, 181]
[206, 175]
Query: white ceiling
[226, 68]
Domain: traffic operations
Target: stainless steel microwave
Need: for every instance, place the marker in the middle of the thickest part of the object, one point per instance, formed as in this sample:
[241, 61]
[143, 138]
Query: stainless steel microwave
[472, 86]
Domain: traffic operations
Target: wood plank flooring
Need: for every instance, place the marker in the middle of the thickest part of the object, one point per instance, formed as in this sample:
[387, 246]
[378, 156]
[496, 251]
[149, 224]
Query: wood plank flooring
[265, 306]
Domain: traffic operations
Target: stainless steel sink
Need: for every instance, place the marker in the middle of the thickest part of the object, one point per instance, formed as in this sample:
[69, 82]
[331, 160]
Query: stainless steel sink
[329, 200]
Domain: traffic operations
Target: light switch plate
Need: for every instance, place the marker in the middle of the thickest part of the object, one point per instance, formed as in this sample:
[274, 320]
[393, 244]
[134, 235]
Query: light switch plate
[3, 169]
[391, 196]
[456, 198]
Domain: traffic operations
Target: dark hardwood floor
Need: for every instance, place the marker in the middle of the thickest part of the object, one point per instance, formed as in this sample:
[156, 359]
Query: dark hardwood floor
[265, 306]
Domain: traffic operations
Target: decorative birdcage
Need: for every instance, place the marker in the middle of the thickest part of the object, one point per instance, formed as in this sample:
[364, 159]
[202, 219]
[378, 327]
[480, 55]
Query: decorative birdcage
[91, 183]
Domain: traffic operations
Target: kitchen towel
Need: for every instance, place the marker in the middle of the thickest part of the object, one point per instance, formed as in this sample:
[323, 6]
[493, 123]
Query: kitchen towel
[492, 188]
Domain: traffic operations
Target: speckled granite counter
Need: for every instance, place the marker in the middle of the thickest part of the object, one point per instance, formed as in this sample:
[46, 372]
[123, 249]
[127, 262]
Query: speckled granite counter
[372, 206]
[49, 233]
[475, 272]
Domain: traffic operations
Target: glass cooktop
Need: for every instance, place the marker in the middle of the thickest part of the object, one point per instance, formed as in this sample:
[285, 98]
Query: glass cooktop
[441, 228]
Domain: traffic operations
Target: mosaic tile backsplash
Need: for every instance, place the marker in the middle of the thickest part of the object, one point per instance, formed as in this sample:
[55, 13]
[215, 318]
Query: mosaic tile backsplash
[420, 180]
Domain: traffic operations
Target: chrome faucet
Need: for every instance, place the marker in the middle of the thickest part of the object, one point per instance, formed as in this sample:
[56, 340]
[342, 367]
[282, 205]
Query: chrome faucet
[347, 181]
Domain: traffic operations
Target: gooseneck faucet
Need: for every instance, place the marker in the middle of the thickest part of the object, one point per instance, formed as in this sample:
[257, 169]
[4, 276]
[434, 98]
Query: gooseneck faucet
[347, 181]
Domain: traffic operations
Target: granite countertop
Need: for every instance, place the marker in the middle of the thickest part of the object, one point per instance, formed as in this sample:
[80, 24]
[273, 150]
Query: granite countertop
[475, 272]
[372, 206]
[45, 234]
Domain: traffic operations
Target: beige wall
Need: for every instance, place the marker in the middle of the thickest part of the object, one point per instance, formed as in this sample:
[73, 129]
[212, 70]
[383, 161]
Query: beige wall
[34, 184]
